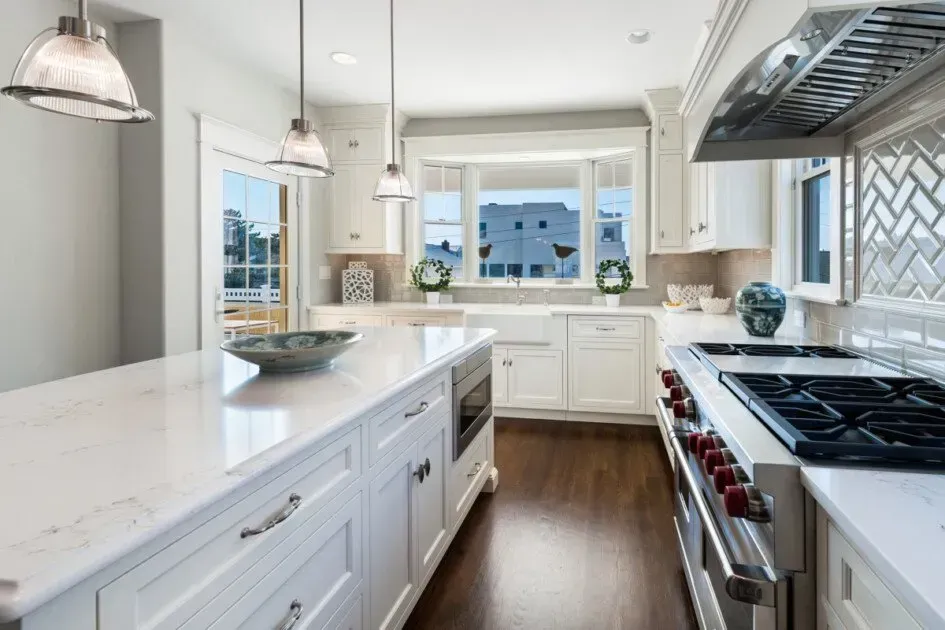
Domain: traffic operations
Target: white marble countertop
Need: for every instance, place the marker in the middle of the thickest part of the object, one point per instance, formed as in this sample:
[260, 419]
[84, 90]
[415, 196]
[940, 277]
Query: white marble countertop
[94, 466]
[897, 521]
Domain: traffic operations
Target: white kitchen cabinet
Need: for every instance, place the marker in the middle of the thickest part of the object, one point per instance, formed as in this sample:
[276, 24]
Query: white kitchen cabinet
[670, 132]
[606, 376]
[730, 205]
[351, 618]
[432, 500]
[668, 172]
[500, 376]
[358, 224]
[669, 218]
[356, 144]
[536, 378]
[393, 550]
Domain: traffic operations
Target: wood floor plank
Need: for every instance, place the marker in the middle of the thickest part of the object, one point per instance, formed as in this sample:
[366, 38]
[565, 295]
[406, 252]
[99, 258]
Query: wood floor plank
[578, 536]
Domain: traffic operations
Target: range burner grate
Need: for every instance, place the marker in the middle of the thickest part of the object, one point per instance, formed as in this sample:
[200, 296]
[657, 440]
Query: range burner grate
[893, 419]
[773, 350]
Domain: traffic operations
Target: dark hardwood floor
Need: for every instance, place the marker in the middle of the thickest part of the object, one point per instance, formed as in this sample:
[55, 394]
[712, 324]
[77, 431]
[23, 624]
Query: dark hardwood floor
[578, 535]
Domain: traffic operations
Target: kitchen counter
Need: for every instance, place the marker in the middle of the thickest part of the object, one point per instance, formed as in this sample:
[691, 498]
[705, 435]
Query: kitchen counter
[897, 520]
[95, 466]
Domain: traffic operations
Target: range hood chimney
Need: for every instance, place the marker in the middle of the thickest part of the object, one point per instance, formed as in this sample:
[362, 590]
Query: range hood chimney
[814, 70]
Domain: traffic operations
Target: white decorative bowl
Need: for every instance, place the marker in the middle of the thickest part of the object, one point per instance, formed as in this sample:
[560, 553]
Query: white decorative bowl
[715, 306]
[679, 308]
[689, 293]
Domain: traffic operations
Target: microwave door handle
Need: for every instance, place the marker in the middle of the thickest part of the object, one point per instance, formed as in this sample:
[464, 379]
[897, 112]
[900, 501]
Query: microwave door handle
[744, 583]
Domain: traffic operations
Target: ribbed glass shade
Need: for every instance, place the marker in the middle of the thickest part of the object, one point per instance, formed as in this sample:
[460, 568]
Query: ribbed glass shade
[302, 153]
[77, 76]
[393, 186]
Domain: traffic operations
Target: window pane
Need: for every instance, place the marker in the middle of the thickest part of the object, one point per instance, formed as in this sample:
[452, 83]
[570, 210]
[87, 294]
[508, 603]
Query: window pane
[258, 244]
[445, 243]
[815, 230]
[530, 218]
[234, 195]
[234, 242]
[260, 200]
[612, 242]
[442, 193]
[615, 189]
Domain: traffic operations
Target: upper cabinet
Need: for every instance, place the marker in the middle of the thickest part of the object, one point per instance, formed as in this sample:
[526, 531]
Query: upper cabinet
[730, 205]
[358, 138]
[668, 172]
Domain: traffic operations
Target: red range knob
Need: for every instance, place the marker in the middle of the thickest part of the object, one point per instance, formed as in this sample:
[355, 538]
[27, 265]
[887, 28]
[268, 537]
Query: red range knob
[668, 378]
[693, 442]
[706, 443]
[713, 458]
[679, 409]
[677, 392]
[723, 476]
[736, 501]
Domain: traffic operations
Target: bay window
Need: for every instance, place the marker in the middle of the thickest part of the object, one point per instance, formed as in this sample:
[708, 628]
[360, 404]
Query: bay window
[614, 194]
[442, 212]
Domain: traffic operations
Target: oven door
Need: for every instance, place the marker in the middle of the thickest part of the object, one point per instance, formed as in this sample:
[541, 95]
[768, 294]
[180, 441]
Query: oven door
[472, 407]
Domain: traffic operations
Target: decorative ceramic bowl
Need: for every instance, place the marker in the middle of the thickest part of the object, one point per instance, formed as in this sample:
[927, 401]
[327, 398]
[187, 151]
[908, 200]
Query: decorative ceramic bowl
[760, 307]
[680, 307]
[293, 351]
[689, 293]
[715, 306]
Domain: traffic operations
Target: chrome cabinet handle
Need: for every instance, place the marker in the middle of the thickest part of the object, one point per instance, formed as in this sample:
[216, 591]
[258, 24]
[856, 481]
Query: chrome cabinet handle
[416, 323]
[691, 231]
[504, 362]
[349, 323]
[294, 502]
[350, 144]
[662, 131]
[422, 471]
[357, 143]
[510, 362]
[426, 466]
[295, 613]
[423, 407]
[603, 329]
[658, 370]
[662, 234]
[703, 227]
[475, 470]
[743, 582]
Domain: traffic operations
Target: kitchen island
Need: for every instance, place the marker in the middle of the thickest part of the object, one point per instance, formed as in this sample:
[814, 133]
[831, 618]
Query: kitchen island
[192, 491]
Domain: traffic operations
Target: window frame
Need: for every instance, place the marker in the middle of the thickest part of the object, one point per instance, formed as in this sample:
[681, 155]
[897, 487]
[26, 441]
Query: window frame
[422, 222]
[638, 221]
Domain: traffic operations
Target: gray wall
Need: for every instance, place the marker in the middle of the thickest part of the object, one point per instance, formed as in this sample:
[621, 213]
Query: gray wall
[59, 253]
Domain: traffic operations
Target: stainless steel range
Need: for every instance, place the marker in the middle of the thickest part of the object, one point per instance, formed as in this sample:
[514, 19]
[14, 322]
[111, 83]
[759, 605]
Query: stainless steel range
[744, 522]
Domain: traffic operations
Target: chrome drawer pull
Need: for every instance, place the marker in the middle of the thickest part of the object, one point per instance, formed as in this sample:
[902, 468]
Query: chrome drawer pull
[475, 471]
[295, 613]
[416, 323]
[602, 329]
[294, 502]
[423, 407]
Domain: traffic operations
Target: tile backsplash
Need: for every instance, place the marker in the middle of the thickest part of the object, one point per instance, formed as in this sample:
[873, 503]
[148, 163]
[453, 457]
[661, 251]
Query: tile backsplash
[739, 267]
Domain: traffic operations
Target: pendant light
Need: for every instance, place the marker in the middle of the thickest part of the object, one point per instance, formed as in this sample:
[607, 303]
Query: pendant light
[302, 152]
[76, 72]
[393, 185]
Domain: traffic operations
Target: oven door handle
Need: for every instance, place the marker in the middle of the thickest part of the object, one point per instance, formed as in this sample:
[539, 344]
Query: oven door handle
[743, 582]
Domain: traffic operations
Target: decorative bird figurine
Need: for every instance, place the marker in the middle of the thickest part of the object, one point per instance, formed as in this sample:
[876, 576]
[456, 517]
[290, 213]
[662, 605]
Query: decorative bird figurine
[484, 251]
[562, 252]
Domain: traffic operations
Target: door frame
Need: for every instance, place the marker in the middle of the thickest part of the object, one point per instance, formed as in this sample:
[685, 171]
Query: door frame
[219, 143]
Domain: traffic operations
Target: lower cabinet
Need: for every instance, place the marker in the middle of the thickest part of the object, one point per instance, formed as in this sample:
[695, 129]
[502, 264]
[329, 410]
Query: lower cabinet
[500, 376]
[536, 378]
[409, 524]
[606, 376]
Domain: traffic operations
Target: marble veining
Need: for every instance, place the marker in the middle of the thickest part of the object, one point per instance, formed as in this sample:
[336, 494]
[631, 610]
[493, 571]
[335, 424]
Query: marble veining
[97, 465]
[896, 519]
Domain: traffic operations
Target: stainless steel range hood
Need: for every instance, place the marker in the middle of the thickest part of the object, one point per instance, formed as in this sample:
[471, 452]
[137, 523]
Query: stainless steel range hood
[829, 67]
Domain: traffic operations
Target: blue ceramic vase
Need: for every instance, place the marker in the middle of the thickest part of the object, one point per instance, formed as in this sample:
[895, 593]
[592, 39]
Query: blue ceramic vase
[760, 307]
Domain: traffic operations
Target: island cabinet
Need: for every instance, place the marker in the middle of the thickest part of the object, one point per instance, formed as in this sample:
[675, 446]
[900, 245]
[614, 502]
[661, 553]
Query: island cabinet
[344, 537]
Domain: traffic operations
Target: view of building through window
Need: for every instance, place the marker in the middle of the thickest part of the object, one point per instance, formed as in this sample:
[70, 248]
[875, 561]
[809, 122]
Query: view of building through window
[442, 208]
[614, 195]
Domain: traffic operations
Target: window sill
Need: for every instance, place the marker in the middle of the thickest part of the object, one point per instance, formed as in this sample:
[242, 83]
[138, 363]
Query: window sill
[529, 285]
[814, 296]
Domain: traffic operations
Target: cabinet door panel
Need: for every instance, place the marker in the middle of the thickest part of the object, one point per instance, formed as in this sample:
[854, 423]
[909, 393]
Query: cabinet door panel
[393, 552]
[370, 144]
[606, 376]
[670, 218]
[432, 502]
[342, 207]
[341, 144]
[500, 377]
[371, 214]
[536, 378]
[670, 132]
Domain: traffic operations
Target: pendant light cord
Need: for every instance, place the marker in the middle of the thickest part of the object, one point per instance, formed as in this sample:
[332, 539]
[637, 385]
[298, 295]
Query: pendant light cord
[393, 110]
[84, 10]
[301, 59]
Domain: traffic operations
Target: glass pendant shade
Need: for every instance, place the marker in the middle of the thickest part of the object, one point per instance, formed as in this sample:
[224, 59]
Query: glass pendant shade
[302, 153]
[393, 186]
[76, 73]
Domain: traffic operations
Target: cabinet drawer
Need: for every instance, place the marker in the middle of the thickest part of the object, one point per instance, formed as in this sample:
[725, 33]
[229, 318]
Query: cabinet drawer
[607, 328]
[340, 321]
[469, 475]
[310, 584]
[351, 618]
[389, 427]
[856, 593]
[407, 320]
[171, 586]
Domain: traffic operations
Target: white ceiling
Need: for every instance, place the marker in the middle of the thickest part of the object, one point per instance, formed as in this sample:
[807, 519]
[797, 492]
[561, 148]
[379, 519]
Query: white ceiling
[454, 58]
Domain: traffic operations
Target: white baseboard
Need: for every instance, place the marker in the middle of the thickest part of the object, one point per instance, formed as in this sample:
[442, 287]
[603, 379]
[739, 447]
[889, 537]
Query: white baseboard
[575, 416]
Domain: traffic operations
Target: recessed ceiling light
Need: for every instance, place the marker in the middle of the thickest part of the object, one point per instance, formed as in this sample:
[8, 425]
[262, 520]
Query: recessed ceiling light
[639, 36]
[343, 58]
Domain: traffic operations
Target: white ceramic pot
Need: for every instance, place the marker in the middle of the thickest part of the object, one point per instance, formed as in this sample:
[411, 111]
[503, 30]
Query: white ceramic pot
[612, 299]
[433, 297]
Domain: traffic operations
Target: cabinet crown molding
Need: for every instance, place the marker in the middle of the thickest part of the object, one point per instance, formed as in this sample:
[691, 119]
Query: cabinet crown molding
[664, 99]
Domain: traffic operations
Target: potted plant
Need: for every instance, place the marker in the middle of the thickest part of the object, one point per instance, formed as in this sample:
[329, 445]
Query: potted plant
[431, 276]
[611, 290]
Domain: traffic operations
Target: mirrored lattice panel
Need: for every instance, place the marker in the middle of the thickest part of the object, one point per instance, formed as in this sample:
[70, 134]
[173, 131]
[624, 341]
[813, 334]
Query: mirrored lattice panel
[903, 216]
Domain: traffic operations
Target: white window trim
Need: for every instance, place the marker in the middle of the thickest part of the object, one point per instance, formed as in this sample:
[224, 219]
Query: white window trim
[789, 176]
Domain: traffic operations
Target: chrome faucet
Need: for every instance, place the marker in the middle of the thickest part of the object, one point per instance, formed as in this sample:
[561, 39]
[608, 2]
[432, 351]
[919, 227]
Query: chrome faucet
[521, 295]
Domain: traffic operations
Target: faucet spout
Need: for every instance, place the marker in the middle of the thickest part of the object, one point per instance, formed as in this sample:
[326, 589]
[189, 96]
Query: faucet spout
[516, 279]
